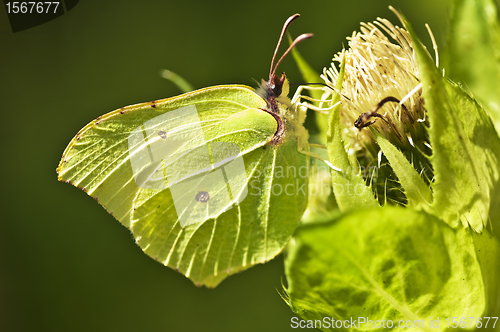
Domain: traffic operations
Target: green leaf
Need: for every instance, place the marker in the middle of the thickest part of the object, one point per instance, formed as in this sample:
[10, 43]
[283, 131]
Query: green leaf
[183, 85]
[387, 263]
[321, 203]
[321, 199]
[473, 51]
[308, 73]
[349, 186]
[485, 147]
[488, 253]
[466, 148]
[416, 190]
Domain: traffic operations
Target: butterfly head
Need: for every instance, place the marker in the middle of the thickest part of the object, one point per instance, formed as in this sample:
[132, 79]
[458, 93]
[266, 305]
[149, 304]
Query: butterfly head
[276, 87]
[276, 84]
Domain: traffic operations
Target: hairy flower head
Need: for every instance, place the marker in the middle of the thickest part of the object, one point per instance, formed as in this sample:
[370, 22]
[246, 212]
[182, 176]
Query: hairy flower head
[381, 89]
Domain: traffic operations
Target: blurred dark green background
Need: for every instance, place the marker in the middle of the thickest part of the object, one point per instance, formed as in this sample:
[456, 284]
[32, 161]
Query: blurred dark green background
[65, 263]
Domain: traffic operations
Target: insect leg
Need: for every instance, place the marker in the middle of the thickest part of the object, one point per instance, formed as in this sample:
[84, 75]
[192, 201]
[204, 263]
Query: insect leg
[359, 123]
[316, 145]
[363, 125]
[298, 96]
[317, 156]
[323, 110]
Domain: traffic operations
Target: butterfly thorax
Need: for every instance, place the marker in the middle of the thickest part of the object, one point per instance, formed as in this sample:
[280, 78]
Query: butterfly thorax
[275, 93]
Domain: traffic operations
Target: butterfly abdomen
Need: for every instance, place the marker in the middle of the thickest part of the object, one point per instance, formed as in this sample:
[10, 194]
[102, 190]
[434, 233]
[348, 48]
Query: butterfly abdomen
[279, 134]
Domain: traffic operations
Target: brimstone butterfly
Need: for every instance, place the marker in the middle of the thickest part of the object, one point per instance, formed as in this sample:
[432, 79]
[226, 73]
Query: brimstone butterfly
[210, 182]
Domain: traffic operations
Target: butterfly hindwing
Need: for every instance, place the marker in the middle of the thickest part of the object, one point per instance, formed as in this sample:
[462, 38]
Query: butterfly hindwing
[254, 231]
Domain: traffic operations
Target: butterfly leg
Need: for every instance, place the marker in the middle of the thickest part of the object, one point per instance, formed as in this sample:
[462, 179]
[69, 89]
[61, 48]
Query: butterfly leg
[316, 145]
[298, 92]
[300, 149]
[322, 110]
[298, 96]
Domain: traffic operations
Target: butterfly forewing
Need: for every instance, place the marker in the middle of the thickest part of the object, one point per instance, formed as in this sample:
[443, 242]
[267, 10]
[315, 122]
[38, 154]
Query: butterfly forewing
[99, 160]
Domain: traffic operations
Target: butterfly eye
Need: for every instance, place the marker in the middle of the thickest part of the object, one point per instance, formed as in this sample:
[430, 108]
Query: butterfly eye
[277, 84]
[202, 197]
[162, 134]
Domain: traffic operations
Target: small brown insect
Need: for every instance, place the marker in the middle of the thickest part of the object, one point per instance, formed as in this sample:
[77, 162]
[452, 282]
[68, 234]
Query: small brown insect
[363, 120]
[162, 134]
[202, 197]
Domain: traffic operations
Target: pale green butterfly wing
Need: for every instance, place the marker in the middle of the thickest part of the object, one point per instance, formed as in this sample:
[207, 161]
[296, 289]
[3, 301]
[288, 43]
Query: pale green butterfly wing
[195, 179]
[253, 232]
[98, 160]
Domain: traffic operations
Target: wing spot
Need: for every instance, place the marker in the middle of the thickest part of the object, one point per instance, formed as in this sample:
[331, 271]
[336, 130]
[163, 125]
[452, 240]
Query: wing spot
[162, 134]
[202, 196]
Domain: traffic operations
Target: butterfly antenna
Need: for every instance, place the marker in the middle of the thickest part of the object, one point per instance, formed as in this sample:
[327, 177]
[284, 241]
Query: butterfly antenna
[297, 40]
[285, 26]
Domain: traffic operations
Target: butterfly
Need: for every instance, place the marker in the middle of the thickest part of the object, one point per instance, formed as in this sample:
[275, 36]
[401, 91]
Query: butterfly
[210, 182]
